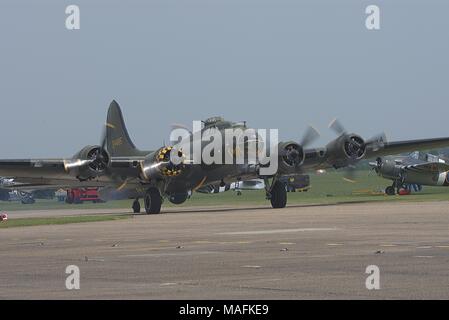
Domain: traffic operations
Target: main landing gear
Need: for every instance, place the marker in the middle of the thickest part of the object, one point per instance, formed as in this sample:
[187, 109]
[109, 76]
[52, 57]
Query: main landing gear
[394, 188]
[153, 201]
[276, 192]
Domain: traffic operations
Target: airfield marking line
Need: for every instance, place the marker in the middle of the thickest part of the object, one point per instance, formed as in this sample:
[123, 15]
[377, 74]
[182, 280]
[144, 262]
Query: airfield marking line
[388, 245]
[335, 244]
[265, 280]
[189, 253]
[424, 247]
[168, 284]
[233, 242]
[423, 257]
[139, 248]
[276, 231]
[321, 256]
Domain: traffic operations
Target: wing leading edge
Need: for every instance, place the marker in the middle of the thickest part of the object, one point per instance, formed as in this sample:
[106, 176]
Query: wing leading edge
[392, 148]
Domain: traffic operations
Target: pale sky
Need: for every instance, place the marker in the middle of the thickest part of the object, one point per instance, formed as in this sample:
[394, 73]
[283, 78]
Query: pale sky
[274, 63]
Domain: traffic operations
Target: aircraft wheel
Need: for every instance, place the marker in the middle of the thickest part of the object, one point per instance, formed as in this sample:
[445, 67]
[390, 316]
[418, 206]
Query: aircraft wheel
[390, 191]
[278, 195]
[153, 201]
[136, 206]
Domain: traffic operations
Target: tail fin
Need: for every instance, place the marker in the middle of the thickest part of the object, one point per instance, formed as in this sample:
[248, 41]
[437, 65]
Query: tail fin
[118, 142]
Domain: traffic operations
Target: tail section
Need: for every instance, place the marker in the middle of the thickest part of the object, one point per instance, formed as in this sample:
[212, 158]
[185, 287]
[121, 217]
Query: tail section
[118, 142]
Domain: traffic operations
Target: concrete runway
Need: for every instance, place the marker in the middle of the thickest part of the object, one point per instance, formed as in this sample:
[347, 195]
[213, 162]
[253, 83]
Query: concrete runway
[300, 252]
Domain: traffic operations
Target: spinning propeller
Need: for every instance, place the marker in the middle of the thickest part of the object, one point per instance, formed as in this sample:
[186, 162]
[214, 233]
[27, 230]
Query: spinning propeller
[99, 157]
[356, 147]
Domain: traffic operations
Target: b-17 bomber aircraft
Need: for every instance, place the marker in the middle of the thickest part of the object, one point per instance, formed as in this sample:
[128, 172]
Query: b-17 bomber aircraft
[417, 169]
[122, 170]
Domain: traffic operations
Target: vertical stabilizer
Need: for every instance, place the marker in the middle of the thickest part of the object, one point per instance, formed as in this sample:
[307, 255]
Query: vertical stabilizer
[118, 142]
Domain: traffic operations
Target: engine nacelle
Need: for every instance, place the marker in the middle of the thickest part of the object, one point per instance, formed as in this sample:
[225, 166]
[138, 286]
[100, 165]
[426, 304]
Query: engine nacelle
[388, 169]
[291, 157]
[160, 164]
[346, 149]
[89, 163]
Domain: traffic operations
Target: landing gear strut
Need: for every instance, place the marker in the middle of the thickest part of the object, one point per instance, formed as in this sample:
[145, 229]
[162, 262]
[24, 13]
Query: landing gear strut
[277, 193]
[153, 201]
[394, 188]
[136, 206]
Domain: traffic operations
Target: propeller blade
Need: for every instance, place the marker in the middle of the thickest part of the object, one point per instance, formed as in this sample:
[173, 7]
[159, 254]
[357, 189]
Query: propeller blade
[99, 159]
[310, 136]
[103, 138]
[377, 142]
[337, 127]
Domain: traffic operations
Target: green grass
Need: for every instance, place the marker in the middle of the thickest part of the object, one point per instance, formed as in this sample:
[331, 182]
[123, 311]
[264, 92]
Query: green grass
[326, 189]
[28, 222]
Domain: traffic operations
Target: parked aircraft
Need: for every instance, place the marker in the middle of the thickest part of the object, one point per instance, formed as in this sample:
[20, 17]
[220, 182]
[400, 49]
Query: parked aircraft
[412, 171]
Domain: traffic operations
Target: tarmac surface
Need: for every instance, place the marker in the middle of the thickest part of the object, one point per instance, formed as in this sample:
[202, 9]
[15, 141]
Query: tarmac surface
[300, 252]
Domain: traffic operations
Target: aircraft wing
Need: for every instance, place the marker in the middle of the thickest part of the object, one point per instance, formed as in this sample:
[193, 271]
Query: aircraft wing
[392, 148]
[253, 184]
[332, 156]
[52, 172]
[27, 168]
[429, 167]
